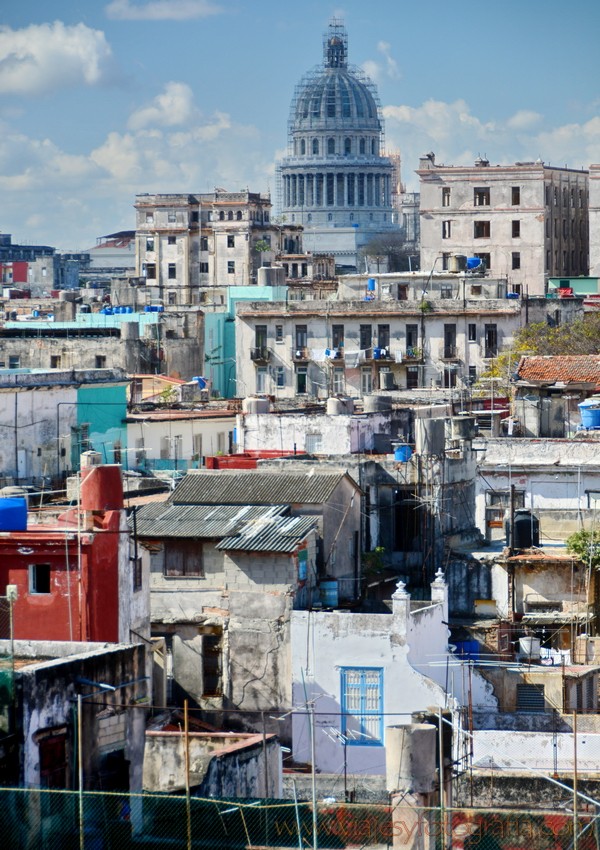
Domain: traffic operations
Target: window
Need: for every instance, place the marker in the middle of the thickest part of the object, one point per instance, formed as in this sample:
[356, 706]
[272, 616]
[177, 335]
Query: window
[204, 243]
[365, 336]
[362, 146]
[472, 333]
[150, 243]
[490, 333]
[548, 231]
[194, 217]
[315, 147]
[445, 196]
[116, 451]
[446, 229]
[481, 197]
[261, 379]
[221, 216]
[302, 147]
[330, 145]
[449, 341]
[211, 660]
[171, 240]
[555, 196]
[516, 260]
[231, 241]
[362, 705]
[301, 336]
[486, 259]
[209, 216]
[338, 381]
[515, 196]
[260, 337]
[412, 336]
[366, 381]
[100, 361]
[565, 228]
[280, 377]
[136, 573]
[481, 229]
[412, 377]
[172, 271]
[197, 446]
[55, 361]
[516, 229]
[337, 336]
[445, 261]
[149, 218]
[472, 374]
[347, 146]
[445, 290]
[203, 268]
[278, 333]
[39, 578]
[373, 147]
[530, 698]
[13, 361]
[231, 267]
[301, 379]
[183, 557]
[449, 377]
[53, 758]
[238, 215]
[314, 443]
[151, 271]
[230, 215]
[383, 336]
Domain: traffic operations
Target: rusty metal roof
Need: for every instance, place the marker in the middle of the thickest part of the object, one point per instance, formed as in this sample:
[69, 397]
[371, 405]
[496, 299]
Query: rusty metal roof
[584, 368]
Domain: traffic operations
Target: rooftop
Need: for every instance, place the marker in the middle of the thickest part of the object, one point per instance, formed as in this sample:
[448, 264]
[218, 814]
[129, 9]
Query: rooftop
[584, 368]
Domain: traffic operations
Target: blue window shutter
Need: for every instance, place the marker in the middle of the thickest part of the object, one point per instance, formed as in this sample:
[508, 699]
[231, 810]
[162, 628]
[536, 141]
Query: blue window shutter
[362, 705]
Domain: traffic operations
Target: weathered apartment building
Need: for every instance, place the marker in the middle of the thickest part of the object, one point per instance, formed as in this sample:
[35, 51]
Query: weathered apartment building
[190, 248]
[527, 222]
[419, 331]
[38, 268]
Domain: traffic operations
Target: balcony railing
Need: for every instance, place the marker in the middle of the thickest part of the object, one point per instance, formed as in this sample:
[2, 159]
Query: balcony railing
[260, 355]
[300, 354]
[415, 355]
[490, 351]
[449, 352]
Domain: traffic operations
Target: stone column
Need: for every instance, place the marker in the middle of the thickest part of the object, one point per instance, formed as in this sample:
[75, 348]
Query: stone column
[439, 592]
[400, 613]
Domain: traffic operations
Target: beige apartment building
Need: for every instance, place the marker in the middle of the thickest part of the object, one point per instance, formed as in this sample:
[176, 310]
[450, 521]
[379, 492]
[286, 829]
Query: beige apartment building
[526, 222]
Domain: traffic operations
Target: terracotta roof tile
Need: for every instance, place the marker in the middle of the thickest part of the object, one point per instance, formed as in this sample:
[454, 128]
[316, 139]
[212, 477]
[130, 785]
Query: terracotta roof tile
[583, 368]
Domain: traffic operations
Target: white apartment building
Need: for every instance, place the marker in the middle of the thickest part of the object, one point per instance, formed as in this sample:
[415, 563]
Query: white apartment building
[402, 339]
[526, 222]
[192, 247]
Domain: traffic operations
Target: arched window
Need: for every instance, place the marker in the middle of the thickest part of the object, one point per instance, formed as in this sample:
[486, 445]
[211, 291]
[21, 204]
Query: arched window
[238, 215]
[373, 146]
[362, 146]
[293, 217]
[330, 217]
[330, 145]
[310, 216]
[347, 146]
[230, 215]
[315, 147]
[351, 216]
[370, 216]
[210, 215]
[266, 216]
[221, 216]
[385, 216]
[302, 147]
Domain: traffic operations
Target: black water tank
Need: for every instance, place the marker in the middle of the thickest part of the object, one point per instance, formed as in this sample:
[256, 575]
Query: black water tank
[527, 530]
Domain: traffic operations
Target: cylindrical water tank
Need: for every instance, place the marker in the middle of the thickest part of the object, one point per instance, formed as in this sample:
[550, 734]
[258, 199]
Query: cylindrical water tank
[371, 284]
[90, 458]
[255, 405]
[272, 276]
[130, 330]
[411, 757]
[527, 529]
[335, 406]
[13, 514]
[457, 263]
[376, 403]
[590, 412]
[402, 453]
[328, 591]
[348, 405]
[429, 436]
[463, 427]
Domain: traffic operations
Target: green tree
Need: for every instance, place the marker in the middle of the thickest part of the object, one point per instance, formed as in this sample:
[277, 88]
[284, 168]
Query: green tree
[391, 247]
[261, 246]
[585, 545]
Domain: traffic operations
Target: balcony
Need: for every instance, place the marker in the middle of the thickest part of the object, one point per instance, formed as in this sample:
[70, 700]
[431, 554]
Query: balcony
[490, 351]
[412, 355]
[449, 352]
[260, 355]
[300, 354]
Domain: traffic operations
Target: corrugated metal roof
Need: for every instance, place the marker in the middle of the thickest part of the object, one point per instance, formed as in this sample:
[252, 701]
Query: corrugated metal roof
[569, 368]
[237, 487]
[167, 520]
[276, 534]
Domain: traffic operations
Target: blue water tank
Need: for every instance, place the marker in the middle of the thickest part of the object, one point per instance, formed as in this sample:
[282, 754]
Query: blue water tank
[590, 413]
[13, 514]
[377, 354]
[328, 591]
[129, 309]
[402, 453]
[512, 294]
[371, 284]
[473, 262]
[468, 649]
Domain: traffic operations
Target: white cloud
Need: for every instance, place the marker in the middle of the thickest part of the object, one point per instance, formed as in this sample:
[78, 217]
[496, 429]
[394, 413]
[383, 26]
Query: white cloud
[391, 64]
[173, 106]
[44, 57]
[161, 10]
[524, 119]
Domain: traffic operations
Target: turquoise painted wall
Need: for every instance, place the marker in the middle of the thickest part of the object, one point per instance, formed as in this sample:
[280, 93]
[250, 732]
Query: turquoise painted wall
[104, 410]
[219, 336]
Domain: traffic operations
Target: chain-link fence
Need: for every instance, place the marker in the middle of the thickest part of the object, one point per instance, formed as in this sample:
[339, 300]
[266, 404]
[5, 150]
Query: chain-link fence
[61, 820]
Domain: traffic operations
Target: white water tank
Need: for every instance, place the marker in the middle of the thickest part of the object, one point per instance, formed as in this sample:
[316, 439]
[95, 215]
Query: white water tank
[335, 407]
[430, 436]
[271, 276]
[255, 405]
[376, 403]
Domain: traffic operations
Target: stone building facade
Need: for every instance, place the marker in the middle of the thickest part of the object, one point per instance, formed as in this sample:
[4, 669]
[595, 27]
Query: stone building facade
[526, 222]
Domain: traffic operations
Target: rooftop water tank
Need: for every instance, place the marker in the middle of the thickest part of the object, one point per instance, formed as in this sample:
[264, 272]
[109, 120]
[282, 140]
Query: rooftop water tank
[474, 262]
[255, 405]
[13, 514]
[590, 413]
[402, 454]
[335, 407]
[430, 436]
[371, 284]
[376, 403]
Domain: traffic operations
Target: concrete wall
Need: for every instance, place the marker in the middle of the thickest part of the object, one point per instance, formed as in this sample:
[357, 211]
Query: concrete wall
[220, 765]
[154, 437]
[535, 751]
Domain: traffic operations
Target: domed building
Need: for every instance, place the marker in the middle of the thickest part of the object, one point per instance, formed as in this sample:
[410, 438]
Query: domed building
[335, 181]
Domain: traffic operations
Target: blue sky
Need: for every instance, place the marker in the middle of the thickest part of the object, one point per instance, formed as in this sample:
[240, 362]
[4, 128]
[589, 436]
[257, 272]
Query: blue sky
[101, 101]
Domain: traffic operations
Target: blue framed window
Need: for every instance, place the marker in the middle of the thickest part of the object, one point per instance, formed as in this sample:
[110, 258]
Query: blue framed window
[362, 705]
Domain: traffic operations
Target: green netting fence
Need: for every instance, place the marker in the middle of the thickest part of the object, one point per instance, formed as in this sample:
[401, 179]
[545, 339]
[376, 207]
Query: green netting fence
[61, 820]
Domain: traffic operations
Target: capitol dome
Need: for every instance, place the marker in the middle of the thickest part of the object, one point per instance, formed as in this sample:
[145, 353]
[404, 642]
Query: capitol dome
[336, 98]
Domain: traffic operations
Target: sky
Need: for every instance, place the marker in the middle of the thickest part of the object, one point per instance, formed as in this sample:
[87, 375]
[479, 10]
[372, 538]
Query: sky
[101, 101]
